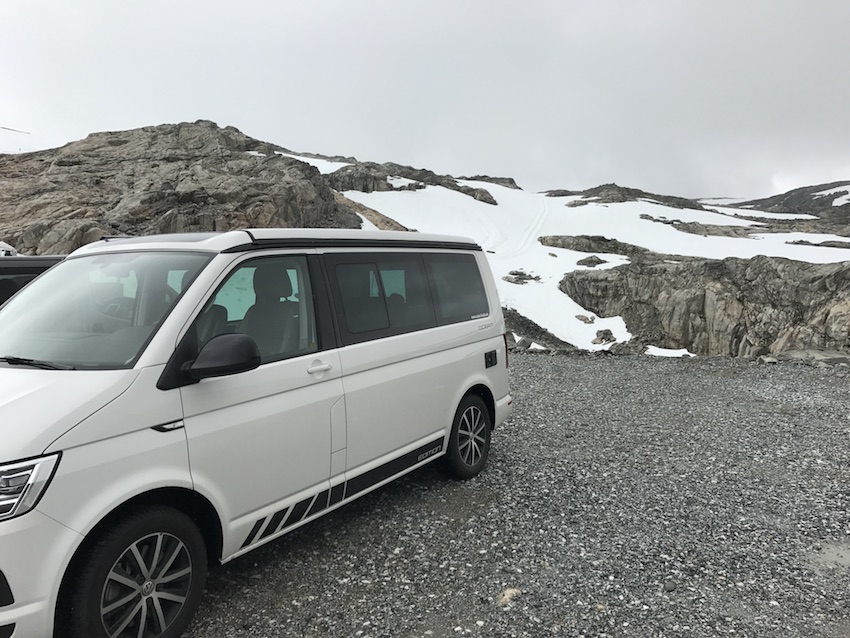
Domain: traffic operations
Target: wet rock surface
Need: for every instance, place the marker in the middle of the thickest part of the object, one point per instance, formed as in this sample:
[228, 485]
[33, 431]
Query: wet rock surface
[627, 496]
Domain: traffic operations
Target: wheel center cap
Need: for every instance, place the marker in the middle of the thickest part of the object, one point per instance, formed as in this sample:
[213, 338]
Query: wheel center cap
[147, 588]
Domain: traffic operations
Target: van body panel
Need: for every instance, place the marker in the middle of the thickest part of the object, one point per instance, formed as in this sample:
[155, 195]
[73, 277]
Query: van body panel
[258, 438]
[139, 407]
[112, 471]
[39, 406]
[30, 542]
[427, 368]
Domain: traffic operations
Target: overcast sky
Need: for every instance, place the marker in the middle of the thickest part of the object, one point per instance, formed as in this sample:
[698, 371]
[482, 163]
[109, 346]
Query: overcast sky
[683, 97]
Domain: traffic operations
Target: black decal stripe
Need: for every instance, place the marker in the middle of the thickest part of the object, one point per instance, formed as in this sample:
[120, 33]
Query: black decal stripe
[315, 504]
[6, 631]
[298, 512]
[271, 528]
[396, 466]
[337, 494]
[319, 504]
[254, 531]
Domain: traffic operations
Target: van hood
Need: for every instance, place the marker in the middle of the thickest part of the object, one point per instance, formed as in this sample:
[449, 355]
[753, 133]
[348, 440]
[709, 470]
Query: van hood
[38, 406]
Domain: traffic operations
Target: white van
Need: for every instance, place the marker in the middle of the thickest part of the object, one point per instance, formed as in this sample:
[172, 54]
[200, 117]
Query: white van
[173, 402]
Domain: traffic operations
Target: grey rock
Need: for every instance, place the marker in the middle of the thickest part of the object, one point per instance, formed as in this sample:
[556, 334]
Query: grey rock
[520, 277]
[368, 177]
[507, 182]
[591, 261]
[604, 336]
[613, 194]
[159, 179]
[737, 307]
[521, 325]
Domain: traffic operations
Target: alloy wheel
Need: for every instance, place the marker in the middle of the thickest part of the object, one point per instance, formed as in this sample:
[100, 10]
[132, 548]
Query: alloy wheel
[146, 587]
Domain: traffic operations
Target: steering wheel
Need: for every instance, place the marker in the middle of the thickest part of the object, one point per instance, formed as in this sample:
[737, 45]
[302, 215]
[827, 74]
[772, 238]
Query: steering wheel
[118, 307]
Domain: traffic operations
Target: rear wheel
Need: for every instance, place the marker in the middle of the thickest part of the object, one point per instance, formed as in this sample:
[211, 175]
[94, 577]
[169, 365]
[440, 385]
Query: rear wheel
[143, 578]
[469, 442]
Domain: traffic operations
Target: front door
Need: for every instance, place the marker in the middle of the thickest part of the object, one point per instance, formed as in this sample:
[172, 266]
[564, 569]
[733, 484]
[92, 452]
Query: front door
[260, 442]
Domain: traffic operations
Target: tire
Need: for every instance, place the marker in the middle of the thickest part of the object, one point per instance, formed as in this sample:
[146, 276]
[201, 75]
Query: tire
[149, 569]
[469, 442]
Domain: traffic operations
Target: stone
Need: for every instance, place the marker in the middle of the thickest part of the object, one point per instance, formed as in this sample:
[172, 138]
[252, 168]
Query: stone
[591, 261]
[604, 336]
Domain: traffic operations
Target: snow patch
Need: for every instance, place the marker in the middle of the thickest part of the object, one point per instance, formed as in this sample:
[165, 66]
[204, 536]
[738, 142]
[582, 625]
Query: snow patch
[838, 201]
[655, 351]
[400, 182]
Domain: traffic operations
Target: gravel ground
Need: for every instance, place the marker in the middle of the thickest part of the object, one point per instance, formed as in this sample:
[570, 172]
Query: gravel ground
[627, 496]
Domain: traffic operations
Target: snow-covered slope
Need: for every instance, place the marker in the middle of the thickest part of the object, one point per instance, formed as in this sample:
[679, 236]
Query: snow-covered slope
[509, 233]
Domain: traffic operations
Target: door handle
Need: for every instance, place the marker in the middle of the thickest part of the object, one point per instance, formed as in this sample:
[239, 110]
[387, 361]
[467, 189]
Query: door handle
[319, 367]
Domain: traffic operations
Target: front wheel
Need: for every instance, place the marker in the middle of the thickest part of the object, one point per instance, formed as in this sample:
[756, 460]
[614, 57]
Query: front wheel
[469, 442]
[143, 578]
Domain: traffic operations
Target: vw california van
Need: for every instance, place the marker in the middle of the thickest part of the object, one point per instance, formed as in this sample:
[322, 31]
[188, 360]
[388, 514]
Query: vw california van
[172, 402]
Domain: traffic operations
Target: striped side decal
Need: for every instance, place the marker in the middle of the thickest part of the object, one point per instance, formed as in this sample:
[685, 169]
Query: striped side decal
[274, 523]
[253, 533]
[338, 493]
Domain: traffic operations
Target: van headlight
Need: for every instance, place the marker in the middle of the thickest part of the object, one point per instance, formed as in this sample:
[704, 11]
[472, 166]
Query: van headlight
[22, 483]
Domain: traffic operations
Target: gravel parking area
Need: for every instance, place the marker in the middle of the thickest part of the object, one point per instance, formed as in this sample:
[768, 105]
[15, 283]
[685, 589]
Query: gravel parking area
[627, 496]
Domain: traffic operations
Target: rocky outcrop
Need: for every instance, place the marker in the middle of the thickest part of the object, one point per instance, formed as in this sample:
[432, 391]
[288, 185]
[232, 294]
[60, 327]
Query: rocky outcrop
[159, 179]
[809, 199]
[507, 182]
[738, 307]
[381, 221]
[533, 333]
[595, 244]
[614, 194]
[368, 177]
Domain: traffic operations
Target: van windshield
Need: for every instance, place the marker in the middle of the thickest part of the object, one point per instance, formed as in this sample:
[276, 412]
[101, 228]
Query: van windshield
[97, 311]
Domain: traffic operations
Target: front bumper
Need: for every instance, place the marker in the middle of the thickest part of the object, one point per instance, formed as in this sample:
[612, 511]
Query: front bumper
[34, 552]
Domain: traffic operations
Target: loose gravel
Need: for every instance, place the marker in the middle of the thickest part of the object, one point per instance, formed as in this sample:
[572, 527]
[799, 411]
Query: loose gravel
[627, 496]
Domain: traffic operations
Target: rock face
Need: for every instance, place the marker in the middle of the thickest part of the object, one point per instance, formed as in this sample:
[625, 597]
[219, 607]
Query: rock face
[809, 199]
[160, 179]
[368, 177]
[737, 307]
[613, 194]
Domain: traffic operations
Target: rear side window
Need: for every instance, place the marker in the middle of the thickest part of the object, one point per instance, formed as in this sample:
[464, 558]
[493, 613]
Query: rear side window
[379, 295]
[458, 289]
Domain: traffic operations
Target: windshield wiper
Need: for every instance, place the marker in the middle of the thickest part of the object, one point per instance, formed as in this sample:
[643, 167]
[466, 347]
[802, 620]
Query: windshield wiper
[34, 363]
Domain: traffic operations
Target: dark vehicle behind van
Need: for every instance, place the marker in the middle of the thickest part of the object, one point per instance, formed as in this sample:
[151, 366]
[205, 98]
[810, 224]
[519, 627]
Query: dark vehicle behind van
[17, 272]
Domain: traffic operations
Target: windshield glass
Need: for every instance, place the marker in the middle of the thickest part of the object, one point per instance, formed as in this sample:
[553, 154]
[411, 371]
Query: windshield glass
[98, 311]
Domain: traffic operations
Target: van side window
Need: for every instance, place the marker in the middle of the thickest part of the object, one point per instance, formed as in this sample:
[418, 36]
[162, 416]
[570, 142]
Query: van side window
[270, 300]
[380, 295]
[362, 302]
[458, 287]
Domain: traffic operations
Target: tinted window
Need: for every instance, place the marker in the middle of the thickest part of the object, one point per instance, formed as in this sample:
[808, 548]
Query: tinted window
[380, 294]
[458, 289]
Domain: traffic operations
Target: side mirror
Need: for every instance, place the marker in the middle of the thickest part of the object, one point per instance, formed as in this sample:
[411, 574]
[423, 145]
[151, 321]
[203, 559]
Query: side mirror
[223, 355]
